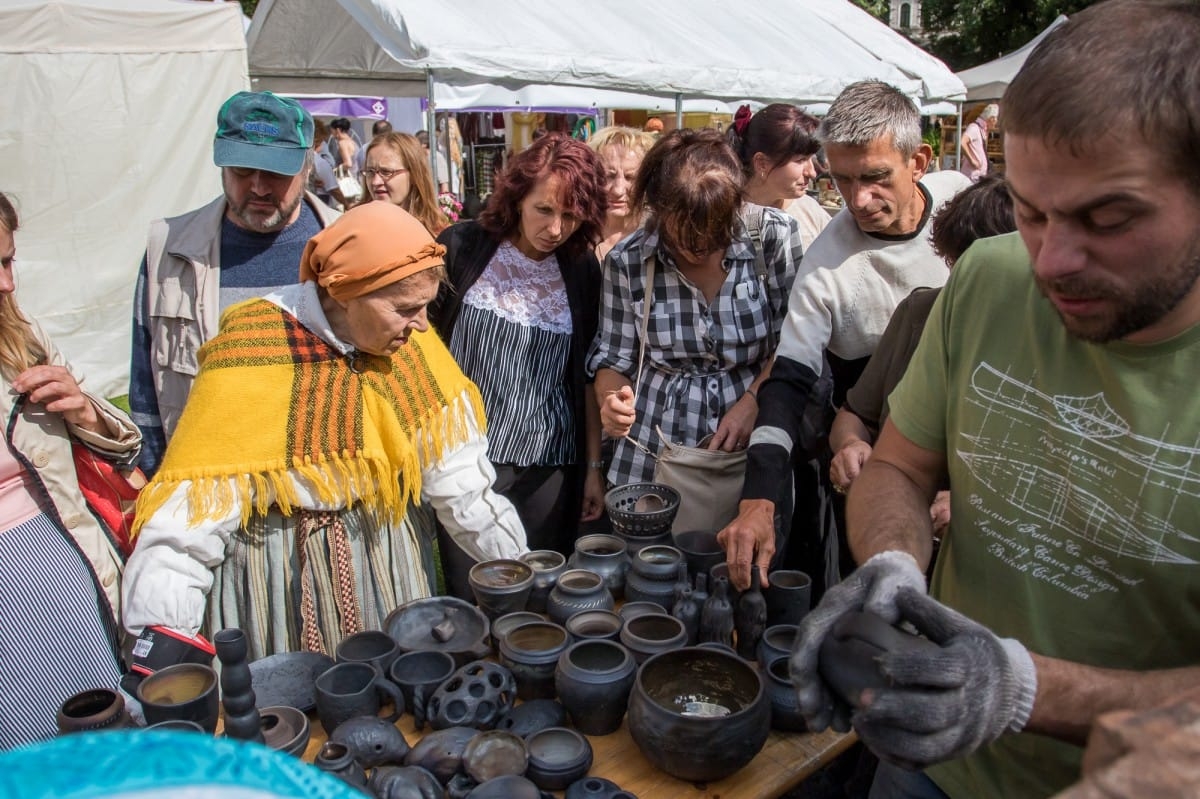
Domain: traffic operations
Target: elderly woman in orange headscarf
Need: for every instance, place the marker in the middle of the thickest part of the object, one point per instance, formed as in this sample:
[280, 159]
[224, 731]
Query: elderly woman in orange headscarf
[325, 425]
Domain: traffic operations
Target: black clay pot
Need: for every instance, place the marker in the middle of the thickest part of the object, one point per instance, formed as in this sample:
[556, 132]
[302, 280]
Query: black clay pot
[596, 788]
[493, 754]
[443, 624]
[849, 657]
[785, 707]
[652, 575]
[440, 752]
[529, 717]
[595, 624]
[557, 757]
[547, 566]
[530, 652]
[575, 591]
[338, 760]
[604, 555]
[96, 709]
[477, 695]
[700, 549]
[509, 787]
[776, 641]
[500, 586]
[404, 782]
[593, 680]
[418, 675]
[652, 633]
[372, 740]
[699, 714]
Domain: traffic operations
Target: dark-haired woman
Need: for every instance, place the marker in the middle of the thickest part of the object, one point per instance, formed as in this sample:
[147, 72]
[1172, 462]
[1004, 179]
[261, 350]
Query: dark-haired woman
[713, 322]
[777, 147]
[519, 314]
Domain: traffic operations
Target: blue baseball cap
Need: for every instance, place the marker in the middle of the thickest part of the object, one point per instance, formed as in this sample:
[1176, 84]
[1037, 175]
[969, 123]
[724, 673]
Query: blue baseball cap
[260, 130]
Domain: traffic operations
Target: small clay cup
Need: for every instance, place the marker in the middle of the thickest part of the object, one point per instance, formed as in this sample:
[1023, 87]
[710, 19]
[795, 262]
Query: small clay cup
[590, 624]
[94, 709]
[631, 610]
[557, 757]
[353, 689]
[530, 652]
[776, 641]
[369, 646]
[547, 565]
[186, 691]
[501, 586]
[510, 621]
[788, 596]
[285, 729]
[701, 550]
[652, 633]
[418, 674]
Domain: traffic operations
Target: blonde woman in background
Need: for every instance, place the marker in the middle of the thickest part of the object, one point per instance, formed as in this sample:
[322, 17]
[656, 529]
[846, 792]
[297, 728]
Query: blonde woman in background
[621, 150]
[396, 170]
[777, 147]
[59, 571]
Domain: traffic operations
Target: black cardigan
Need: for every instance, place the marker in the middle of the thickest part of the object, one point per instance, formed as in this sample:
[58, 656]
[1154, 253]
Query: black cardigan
[468, 249]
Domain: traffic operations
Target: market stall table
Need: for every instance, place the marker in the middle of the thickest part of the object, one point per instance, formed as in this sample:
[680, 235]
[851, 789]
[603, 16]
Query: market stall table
[784, 762]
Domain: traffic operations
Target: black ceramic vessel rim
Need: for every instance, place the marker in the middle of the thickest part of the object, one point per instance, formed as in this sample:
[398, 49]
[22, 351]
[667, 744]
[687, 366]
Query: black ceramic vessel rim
[648, 665]
[654, 618]
[93, 700]
[598, 643]
[597, 616]
[803, 581]
[178, 668]
[586, 542]
[543, 559]
[473, 576]
[582, 749]
[580, 579]
[229, 635]
[557, 647]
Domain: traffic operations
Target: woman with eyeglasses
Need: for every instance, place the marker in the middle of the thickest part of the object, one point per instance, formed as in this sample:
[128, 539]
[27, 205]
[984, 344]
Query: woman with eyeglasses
[519, 314]
[396, 170]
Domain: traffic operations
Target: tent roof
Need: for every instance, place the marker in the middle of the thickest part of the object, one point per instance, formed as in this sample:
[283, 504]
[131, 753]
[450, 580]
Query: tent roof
[129, 26]
[769, 50]
[988, 81]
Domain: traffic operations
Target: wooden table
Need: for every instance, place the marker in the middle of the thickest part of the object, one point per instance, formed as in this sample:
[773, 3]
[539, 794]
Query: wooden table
[784, 762]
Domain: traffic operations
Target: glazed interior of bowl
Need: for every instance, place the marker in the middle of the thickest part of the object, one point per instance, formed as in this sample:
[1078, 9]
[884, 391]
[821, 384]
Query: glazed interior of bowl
[699, 682]
[501, 573]
[536, 636]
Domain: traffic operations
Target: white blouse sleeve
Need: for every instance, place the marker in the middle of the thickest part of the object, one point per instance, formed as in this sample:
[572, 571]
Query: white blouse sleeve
[459, 488]
[170, 572]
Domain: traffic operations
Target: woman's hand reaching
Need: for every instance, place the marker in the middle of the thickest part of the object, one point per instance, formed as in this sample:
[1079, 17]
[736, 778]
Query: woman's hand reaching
[593, 496]
[617, 413]
[56, 388]
[735, 427]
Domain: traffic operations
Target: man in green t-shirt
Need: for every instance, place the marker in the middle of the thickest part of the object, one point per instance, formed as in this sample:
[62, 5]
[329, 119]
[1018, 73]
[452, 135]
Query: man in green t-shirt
[1055, 387]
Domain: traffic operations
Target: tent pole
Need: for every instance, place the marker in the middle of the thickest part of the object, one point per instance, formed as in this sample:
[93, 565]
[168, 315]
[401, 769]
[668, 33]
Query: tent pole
[958, 138]
[678, 110]
[431, 125]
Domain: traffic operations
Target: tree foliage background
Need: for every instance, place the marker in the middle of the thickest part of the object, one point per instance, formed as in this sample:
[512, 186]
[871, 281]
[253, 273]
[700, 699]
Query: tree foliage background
[965, 33]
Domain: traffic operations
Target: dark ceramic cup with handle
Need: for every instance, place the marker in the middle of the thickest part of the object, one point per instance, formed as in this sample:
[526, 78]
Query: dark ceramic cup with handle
[354, 689]
[369, 646]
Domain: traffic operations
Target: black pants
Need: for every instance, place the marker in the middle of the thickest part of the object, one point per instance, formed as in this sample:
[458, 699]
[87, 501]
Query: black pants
[545, 499]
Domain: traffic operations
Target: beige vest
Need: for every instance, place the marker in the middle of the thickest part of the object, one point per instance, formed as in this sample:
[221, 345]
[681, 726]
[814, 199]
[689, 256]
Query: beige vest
[183, 294]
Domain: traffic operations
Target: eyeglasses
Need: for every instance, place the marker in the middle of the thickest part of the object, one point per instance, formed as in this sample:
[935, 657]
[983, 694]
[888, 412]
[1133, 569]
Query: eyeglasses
[387, 174]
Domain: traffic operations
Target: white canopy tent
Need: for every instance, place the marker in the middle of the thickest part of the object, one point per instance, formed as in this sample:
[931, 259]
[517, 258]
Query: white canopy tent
[772, 50]
[988, 81]
[106, 122]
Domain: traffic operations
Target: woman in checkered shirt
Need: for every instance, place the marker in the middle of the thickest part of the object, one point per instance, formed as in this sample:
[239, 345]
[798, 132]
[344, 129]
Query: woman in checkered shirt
[718, 302]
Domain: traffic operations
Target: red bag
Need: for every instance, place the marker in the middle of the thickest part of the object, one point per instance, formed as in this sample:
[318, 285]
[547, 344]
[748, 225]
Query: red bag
[110, 493]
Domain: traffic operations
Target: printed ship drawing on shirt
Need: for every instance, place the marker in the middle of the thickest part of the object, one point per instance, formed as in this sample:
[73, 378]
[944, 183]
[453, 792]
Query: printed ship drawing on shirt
[1060, 469]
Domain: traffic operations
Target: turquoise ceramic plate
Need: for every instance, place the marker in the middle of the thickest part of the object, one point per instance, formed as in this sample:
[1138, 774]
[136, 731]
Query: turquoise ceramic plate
[156, 765]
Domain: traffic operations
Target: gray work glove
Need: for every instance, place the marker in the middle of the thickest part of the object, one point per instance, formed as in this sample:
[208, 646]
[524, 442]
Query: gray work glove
[949, 702]
[871, 587]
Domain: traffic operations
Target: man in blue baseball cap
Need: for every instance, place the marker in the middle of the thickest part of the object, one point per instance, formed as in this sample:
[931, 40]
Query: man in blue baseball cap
[244, 244]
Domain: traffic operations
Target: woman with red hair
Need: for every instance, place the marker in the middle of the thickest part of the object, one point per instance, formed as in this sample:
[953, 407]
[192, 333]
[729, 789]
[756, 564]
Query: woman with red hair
[519, 315]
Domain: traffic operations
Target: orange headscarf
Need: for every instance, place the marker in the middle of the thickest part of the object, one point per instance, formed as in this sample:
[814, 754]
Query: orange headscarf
[371, 246]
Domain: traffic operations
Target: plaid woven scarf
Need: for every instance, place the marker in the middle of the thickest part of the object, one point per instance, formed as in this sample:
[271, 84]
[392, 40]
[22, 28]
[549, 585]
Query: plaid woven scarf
[272, 398]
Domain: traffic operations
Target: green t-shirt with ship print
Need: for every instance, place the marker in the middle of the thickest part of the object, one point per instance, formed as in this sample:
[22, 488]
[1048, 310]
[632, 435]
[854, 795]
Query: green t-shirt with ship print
[1075, 485]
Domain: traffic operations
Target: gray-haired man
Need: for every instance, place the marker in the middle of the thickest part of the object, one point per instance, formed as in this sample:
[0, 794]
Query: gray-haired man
[869, 257]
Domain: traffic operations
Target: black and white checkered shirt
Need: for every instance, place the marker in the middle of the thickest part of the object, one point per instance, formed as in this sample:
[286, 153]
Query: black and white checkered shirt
[700, 358]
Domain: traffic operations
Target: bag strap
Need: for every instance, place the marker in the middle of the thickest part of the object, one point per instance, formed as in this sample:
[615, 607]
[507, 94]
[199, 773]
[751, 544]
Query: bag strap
[647, 304]
[752, 217]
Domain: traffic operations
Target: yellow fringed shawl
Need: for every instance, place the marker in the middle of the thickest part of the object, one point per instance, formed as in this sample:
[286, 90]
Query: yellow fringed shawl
[272, 397]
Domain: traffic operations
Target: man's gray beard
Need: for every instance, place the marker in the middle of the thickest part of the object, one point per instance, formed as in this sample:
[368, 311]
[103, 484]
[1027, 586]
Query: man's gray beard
[273, 223]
